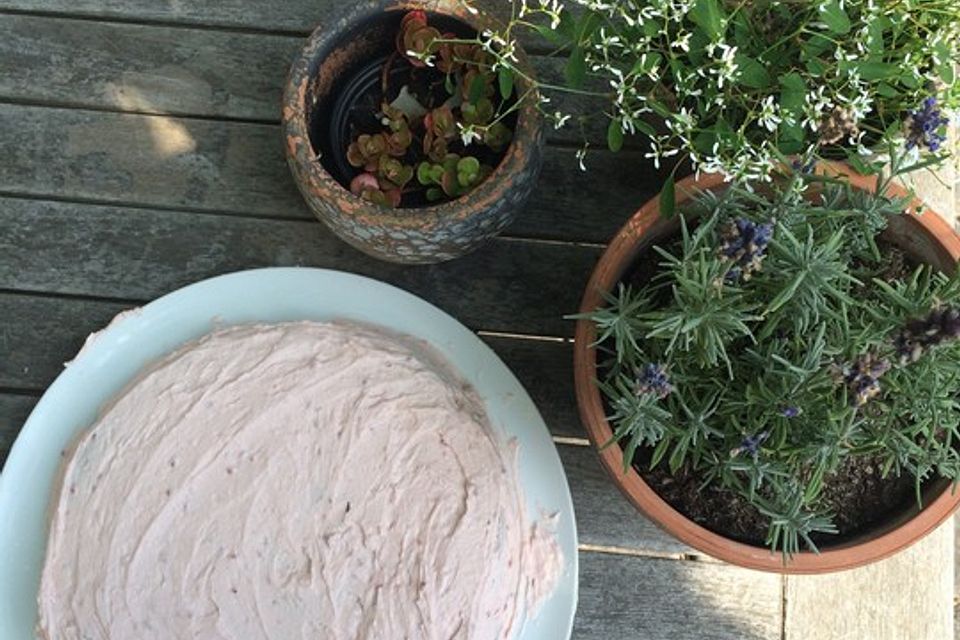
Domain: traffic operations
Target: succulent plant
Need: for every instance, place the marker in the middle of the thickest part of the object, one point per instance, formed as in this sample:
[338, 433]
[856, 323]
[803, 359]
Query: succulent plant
[417, 41]
[471, 113]
[454, 176]
[366, 150]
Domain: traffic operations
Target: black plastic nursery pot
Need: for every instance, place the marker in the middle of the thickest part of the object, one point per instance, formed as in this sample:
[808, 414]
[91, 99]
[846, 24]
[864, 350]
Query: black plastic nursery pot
[330, 84]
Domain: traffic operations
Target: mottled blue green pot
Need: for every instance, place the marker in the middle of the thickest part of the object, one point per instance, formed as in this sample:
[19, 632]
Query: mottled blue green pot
[414, 235]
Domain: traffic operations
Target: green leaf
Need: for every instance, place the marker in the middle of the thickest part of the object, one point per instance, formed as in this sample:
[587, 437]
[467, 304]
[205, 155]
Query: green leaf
[468, 164]
[505, 80]
[475, 92]
[551, 35]
[709, 16]
[448, 84]
[587, 24]
[668, 198]
[576, 70]
[615, 135]
[835, 17]
[434, 194]
[886, 90]
[877, 70]
[793, 89]
[945, 64]
[424, 173]
[752, 73]
[645, 128]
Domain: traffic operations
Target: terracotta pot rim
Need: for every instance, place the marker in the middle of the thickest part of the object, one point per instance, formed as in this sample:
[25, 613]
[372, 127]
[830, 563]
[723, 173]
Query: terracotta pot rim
[871, 546]
[296, 113]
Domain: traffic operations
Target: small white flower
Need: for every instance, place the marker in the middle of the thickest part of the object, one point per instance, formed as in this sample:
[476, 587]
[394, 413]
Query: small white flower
[769, 117]
[581, 154]
[560, 119]
[468, 134]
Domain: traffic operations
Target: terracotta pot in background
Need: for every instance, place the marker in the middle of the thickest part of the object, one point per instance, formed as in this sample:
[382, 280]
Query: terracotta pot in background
[926, 238]
[429, 234]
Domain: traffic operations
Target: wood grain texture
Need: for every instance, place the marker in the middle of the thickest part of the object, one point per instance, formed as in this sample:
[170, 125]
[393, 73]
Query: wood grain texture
[295, 17]
[622, 526]
[907, 596]
[139, 254]
[653, 599]
[14, 410]
[39, 333]
[239, 168]
[194, 72]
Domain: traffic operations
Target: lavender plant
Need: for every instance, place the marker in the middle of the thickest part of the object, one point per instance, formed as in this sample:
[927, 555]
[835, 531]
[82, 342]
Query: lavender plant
[733, 85]
[775, 344]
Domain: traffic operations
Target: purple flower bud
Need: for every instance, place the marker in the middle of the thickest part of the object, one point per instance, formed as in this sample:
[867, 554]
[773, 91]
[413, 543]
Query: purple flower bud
[653, 379]
[924, 126]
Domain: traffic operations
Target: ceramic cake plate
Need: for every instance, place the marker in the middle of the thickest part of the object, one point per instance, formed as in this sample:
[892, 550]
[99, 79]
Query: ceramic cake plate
[111, 360]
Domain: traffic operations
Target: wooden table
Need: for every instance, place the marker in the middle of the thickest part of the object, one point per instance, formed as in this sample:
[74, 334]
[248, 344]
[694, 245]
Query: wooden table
[140, 151]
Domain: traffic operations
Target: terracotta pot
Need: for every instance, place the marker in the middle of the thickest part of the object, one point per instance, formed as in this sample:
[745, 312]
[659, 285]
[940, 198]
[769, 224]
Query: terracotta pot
[926, 238]
[429, 234]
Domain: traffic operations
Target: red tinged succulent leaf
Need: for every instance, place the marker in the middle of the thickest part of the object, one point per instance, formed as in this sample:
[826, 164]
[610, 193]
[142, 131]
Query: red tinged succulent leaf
[364, 182]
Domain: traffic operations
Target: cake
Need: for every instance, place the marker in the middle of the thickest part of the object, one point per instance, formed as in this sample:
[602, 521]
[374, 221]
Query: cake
[301, 480]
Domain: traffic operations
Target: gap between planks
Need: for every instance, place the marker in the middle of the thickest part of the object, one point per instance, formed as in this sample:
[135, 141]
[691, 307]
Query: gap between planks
[227, 213]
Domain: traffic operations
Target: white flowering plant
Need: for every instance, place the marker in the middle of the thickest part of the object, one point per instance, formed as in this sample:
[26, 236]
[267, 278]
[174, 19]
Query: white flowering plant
[738, 86]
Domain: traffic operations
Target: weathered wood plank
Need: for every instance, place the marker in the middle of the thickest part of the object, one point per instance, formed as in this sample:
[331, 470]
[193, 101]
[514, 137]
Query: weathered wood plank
[297, 17]
[507, 285]
[235, 167]
[907, 596]
[38, 334]
[194, 72]
[595, 497]
[14, 410]
[647, 598]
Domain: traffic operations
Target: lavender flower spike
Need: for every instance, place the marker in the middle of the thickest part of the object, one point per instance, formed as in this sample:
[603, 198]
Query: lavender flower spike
[925, 125]
[750, 444]
[745, 243]
[862, 378]
[653, 379]
[940, 325]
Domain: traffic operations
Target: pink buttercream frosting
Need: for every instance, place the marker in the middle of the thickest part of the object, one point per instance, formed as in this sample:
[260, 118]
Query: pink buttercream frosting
[301, 480]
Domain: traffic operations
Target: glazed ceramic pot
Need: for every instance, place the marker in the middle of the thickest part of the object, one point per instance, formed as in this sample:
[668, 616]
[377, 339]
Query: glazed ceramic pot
[925, 238]
[337, 50]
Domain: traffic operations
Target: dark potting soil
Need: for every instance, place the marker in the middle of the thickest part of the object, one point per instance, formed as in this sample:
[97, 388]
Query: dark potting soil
[857, 494]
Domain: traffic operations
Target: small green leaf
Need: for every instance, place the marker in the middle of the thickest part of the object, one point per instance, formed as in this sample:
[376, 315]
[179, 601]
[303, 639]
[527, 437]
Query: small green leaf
[877, 70]
[793, 89]
[434, 194]
[576, 70]
[668, 198]
[424, 173]
[752, 73]
[835, 17]
[505, 80]
[945, 64]
[645, 128]
[448, 84]
[468, 164]
[886, 90]
[475, 91]
[709, 16]
[552, 36]
[615, 135]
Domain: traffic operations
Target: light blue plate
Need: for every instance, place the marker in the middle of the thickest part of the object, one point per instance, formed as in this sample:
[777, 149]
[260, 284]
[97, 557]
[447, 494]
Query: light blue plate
[267, 295]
